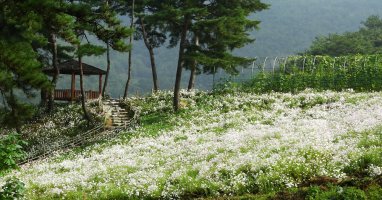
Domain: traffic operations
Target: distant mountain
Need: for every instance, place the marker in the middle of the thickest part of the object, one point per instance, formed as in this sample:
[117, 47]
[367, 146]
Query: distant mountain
[288, 27]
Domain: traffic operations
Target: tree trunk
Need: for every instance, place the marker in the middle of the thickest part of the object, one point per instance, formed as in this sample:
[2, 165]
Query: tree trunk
[43, 96]
[3, 97]
[53, 42]
[180, 62]
[130, 54]
[86, 115]
[107, 70]
[14, 112]
[152, 57]
[191, 82]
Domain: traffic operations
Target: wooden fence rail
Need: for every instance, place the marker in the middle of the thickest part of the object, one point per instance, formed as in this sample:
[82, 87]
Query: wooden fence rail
[73, 142]
[66, 94]
[95, 134]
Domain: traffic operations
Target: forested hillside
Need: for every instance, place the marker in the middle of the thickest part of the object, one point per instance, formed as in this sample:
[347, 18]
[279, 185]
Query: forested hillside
[288, 27]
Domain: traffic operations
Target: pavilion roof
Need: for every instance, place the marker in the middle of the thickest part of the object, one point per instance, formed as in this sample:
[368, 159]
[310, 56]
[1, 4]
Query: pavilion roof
[72, 67]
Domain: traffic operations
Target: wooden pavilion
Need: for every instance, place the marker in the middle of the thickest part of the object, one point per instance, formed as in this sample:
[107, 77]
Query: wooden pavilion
[71, 67]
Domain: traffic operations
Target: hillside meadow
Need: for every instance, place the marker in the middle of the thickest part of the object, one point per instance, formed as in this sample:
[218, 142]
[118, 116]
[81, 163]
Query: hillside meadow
[227, 144]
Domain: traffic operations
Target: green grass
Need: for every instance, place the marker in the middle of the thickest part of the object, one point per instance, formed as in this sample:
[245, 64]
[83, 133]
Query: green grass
[154, 123]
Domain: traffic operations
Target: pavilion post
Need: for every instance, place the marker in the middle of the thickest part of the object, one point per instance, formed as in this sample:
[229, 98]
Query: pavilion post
[73, 89]
[100, 85]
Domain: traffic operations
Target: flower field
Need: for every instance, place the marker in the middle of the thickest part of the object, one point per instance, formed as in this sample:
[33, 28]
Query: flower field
[222, 145]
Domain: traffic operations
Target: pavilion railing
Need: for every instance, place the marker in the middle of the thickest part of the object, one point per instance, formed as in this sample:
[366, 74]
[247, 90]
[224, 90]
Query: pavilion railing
[66, 94]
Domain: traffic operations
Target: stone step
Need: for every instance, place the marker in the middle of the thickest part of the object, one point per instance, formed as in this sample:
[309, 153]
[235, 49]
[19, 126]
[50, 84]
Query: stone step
[120, 121]
[119, 110]
[112, 101]
[120, 124]
[119, 116]
[112, 104]
[119, 113]
[116, 110]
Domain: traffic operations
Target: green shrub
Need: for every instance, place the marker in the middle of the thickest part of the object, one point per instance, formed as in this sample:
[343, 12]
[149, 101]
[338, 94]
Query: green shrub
[13, 189]
[374, 193]
[335, 193]
[11, 151]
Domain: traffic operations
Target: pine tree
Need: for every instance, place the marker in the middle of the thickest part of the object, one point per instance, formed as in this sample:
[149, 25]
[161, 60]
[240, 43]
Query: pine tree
[132, 15]
[29, 34]
[220, 26]
[86, 50]
[193, 65]
[20, 69]
[146, 28]
[110, 30]
[151, 39]
[224, 29]
[85, 21]
[94, 17]
[150, 30]
[57, 24]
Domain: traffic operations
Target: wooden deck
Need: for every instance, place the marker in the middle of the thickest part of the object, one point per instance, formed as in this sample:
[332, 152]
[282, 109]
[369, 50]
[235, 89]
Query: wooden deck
[66, 95]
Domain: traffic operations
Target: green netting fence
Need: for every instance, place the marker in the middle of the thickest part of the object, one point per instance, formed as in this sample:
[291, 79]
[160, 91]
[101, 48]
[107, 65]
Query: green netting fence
[296, 73]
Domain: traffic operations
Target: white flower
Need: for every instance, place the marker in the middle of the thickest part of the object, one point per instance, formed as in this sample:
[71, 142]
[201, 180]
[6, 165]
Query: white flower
[225, 146]
[374, 170]
[57, 191]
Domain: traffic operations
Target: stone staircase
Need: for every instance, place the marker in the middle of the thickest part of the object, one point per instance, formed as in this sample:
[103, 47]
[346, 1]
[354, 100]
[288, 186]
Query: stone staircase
[116, 114]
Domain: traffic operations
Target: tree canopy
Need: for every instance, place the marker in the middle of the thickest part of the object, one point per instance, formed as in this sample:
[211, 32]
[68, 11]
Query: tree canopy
[29, 31]
[20, 69]
[220, 27]
[36, 34]
[367, 40]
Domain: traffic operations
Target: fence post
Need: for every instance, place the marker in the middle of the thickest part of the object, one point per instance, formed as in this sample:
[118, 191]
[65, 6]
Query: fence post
[303, 64]
[286, 60]
[364, 62]
[314, 64]
[253, 67]
[265, 61]
[334, 62]
[346, 59]
[333, 71]
[274, 64]
[213, 78]
[242, 74]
